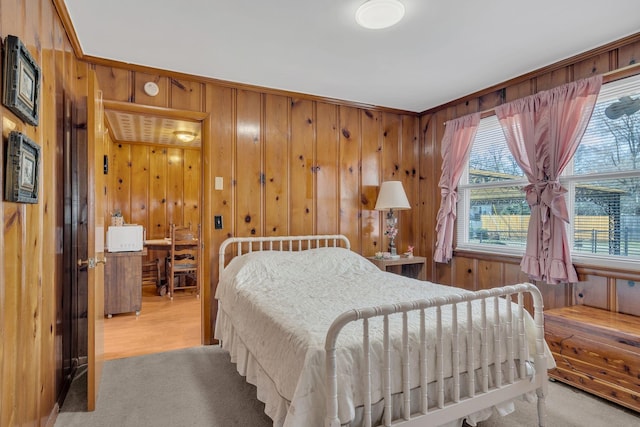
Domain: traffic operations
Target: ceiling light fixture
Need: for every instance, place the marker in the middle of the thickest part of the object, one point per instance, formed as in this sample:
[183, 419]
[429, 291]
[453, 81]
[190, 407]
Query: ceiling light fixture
[378, 14]
[185, 136]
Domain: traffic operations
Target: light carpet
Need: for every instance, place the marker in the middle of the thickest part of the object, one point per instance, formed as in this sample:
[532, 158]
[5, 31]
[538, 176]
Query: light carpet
[200, 387]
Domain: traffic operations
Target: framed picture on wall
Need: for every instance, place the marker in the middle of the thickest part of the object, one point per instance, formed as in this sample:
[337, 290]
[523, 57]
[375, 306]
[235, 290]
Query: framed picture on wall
[21, 81]
[22, 173]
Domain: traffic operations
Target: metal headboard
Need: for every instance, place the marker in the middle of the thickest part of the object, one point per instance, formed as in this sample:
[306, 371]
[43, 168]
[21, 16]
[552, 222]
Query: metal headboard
[280, 243]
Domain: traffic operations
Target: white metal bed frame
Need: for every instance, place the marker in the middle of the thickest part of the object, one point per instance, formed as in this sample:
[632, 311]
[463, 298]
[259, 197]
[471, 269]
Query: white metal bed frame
[503, 389]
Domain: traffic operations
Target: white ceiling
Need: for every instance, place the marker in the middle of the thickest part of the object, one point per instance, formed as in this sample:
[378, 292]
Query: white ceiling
[441, 50]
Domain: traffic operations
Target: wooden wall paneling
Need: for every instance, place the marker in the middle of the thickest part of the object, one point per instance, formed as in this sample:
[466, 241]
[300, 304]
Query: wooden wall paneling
[185, 94]
[217, 155]
[427, 190]
[30, 292]
[443, 273]
[327, 169]
[590, 67]
[409, 164]
[629, 54]
[490, 274]
[553, 79]
[490, 100]
[249, 173]
[175, 186]
[12, 19]
[161, 99]
[350, 148]
[209, 305]
[519, 90]
[465, 273]
[513, 273]
[158, 225]
[115, 83]
[11, 299]
[371, 234]
[140, 191]
[53, 101]
[120, 180]
[555, 296]
[192, 178]
[391, 148]
[29, 350]
[301, 163]
[30, 342]
[391, 171]
[31, 241]
[592, 291]
[628, 296]
[276, 165]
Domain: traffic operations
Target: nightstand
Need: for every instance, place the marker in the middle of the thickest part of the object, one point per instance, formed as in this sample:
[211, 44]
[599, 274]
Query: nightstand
[414, 267]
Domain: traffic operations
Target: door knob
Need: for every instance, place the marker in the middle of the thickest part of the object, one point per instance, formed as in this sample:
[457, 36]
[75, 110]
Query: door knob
[91, 262]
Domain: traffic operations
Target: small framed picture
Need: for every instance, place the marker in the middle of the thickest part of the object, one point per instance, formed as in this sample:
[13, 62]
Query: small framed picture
[21, 81]
[22, 173]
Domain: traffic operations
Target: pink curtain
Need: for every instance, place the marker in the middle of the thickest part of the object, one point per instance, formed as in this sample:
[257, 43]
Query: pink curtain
[543, 132]
[456, 145]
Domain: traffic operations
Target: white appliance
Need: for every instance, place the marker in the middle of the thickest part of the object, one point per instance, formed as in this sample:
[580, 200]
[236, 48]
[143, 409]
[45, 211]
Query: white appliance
[125, 238]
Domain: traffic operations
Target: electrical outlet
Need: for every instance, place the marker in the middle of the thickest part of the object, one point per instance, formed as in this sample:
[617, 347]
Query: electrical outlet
[217, 222]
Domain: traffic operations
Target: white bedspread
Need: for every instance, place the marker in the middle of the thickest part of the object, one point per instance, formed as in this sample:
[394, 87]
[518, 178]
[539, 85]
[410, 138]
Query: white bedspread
[281, 304]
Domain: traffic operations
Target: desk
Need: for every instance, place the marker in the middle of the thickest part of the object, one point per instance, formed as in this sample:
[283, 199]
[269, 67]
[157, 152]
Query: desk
[158, 244]
[410, 267]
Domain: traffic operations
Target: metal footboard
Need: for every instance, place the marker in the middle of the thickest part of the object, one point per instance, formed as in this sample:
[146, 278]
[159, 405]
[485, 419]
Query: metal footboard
[520, 377]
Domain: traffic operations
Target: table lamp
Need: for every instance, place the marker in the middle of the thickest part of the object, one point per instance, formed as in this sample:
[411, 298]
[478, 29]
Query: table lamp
[392, 198]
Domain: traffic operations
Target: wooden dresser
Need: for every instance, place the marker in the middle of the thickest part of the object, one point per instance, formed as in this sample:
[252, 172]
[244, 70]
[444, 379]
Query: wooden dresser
[123, 283]
[597, 351]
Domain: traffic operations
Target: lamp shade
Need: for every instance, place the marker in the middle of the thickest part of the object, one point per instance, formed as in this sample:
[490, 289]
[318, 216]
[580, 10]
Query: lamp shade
[392, 196]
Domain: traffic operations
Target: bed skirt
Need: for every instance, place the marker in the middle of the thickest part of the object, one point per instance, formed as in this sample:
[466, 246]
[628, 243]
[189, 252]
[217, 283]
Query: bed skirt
[276, 406]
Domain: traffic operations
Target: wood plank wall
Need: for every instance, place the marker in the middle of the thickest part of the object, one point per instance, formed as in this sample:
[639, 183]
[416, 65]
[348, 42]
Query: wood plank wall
[154, 186]
[290, 165]
[605, 288]
[31, 272]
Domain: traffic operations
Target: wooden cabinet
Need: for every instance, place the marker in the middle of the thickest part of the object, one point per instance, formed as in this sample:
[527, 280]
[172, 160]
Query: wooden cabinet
[123, 283]
[413, 267]
[597, 351]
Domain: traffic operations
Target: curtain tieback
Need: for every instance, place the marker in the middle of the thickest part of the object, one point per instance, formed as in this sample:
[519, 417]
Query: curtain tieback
[549, 194]
[449, 200]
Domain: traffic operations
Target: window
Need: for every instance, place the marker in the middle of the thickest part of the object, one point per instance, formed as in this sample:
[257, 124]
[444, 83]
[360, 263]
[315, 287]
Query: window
[603, 183]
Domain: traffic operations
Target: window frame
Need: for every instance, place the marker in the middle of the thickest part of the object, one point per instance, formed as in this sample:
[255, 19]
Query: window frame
[567, 180]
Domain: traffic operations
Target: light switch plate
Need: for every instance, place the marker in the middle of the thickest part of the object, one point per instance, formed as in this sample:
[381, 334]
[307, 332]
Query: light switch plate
[218, 183]
[217, 222]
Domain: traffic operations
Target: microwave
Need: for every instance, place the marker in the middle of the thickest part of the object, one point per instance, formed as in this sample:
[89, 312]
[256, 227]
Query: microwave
[125, 238]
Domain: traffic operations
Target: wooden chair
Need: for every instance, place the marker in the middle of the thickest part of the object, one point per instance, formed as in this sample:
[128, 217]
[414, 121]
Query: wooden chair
[151, 273]
[183, 262]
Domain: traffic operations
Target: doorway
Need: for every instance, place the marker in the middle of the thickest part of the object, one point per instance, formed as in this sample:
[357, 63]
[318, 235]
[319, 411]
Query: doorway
[154, 176]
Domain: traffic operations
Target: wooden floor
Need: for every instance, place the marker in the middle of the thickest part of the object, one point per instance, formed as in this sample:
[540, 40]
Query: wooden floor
[162, 325]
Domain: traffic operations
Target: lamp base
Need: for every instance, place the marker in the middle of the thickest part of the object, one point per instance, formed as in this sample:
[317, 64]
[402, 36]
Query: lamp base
[392, 247]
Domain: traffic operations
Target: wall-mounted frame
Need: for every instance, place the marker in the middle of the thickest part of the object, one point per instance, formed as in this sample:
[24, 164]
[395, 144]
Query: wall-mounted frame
[21, 81]
[22, 173]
